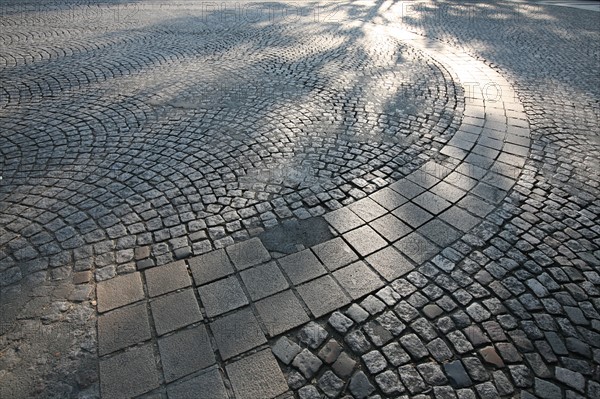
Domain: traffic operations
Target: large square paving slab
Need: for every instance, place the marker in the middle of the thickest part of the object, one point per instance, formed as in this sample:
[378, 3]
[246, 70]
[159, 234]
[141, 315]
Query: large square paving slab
[257, 377]
[185, 352]
[129, 374]
[237, 333]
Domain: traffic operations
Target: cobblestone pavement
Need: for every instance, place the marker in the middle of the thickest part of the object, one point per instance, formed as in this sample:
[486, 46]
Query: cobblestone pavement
[259, 200]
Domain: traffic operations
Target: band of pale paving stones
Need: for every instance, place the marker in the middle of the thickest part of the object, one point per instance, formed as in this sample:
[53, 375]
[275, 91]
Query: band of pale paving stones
[247, 297]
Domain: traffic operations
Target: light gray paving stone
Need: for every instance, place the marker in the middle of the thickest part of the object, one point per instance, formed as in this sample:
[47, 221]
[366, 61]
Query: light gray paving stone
[390, 263]
[210, 383]
[340, 322]
[365, 240]
[367, 209]
[285, 350]
[130, 373]
[390, 227]
[307, 363]
[237, 333]
[417, 248]
[256, 377]
[222, 296]
[439, 232]
[167, 278]
[281, 312]
[312, 294]
[185, 352]
[302, 266]
[407, 188]
[123, 327]
[360, 386]
[335, 253]
[248, 253]
[263, 280]
[431, 202]
[343, 220]
[388, 198]
[358, 279]
[412, 215]
[210, 267]
[174, 311]
[119, 291]
[460, 219]
[312, 335]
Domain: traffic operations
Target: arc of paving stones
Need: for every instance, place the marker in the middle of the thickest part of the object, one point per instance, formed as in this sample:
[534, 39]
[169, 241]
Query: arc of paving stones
[205, 323]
